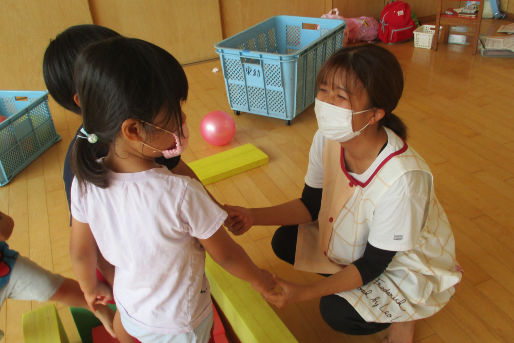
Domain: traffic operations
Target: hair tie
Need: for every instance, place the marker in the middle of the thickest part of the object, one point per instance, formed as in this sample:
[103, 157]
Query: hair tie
[91, 137]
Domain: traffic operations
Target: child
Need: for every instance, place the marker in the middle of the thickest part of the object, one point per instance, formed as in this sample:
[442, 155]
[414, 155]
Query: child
[58, 62]
[22, 279]
[380, 230]
[150, 224]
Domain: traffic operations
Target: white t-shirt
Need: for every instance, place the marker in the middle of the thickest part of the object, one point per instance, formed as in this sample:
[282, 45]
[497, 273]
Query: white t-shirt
[146, 224]
[400, 213]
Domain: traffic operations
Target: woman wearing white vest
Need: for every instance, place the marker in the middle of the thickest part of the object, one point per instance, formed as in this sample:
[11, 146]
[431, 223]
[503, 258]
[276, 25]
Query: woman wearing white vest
[368, 214]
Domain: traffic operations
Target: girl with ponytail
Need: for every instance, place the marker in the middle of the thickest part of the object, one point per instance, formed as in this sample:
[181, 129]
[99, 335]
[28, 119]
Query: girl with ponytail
[152, 225]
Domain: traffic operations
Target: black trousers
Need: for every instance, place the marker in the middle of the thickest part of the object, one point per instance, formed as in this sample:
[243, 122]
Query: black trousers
[335, 310]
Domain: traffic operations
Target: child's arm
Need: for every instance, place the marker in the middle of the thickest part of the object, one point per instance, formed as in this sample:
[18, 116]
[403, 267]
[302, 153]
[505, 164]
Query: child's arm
[241, 219]
[84, 260]
[6, 226]
[183, 169]
[346, 279]
[229, 255]
[106, 269]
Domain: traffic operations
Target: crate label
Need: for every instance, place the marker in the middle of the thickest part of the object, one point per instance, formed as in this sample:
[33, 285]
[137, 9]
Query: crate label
[253, 74]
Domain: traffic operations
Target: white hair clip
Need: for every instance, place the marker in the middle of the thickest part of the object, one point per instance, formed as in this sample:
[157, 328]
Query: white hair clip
[91, 137]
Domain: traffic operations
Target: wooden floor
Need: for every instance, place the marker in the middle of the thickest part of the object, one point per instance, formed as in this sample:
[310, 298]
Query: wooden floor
[460, 112]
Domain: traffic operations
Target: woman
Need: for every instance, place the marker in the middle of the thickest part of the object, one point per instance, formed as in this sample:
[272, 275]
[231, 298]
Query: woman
[379, 229]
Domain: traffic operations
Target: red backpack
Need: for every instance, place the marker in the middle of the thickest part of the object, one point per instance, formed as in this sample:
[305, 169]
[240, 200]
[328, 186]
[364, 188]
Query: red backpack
[396, 24]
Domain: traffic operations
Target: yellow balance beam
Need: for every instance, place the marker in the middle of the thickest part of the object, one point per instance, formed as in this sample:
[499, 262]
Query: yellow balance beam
[228, 163]
[251, 317]
[43, 325]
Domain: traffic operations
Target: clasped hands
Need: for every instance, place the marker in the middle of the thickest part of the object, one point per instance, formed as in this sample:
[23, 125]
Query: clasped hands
[275, 290]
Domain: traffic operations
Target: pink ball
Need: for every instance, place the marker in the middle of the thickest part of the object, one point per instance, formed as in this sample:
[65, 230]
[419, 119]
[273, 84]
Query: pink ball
[217, 128]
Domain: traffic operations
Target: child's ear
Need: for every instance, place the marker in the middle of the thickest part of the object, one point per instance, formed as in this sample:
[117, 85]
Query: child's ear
[76, 99]
[132, 130]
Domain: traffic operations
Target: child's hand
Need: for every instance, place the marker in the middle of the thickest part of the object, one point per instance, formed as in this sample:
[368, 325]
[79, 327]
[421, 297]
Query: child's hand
[101, 295]
[239, 219]
[266, 282]
[287, 293]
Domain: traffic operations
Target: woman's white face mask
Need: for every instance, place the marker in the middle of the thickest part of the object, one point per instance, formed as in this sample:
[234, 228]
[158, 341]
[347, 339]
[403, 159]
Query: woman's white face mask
[334, 122]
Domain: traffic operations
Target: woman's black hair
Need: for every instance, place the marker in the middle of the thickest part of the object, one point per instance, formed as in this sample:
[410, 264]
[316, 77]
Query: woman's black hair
[118, 79]
[379, 72]
[60, 56]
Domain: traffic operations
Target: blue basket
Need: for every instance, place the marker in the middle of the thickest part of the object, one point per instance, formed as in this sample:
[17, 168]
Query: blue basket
[26, 133]
[270, 69]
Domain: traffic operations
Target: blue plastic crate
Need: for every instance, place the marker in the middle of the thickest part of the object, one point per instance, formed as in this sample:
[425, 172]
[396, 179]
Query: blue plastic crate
[26, 133]
[270, 69]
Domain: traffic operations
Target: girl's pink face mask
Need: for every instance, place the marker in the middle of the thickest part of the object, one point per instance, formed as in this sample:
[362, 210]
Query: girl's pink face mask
[180, 143]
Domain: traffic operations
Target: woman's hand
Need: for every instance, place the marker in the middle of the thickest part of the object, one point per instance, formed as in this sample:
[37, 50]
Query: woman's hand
[288, 293]
[239, 219]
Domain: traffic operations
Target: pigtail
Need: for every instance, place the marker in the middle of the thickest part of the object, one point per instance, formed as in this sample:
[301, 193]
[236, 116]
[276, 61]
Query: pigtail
[393, 122]
[85, 165]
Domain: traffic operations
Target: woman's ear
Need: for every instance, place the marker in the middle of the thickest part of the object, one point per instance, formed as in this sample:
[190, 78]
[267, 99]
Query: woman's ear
[132, 130]
[377, 115]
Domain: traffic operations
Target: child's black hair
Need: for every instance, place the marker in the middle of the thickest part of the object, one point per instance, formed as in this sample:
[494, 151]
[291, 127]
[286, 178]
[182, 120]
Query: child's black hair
[60, 56]
[118, 79]
[380, 74]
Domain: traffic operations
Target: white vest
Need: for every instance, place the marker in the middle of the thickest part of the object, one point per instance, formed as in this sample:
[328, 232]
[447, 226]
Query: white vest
[417, 283]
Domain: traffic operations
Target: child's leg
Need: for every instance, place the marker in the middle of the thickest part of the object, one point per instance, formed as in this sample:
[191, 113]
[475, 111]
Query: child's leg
[29, 281]
[119, 330]
[69, 293]
[105, 268]
[103, 312]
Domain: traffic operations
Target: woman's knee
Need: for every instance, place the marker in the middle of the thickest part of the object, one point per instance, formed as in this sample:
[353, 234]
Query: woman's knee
[341, 316]
[283, 243]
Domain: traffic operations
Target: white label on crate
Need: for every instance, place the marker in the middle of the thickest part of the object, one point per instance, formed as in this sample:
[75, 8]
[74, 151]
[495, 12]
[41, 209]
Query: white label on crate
[253, 74]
